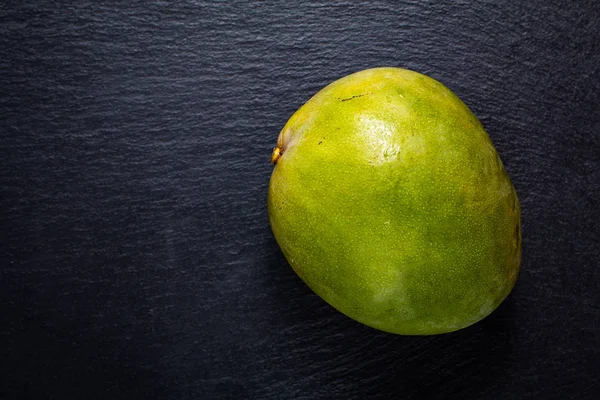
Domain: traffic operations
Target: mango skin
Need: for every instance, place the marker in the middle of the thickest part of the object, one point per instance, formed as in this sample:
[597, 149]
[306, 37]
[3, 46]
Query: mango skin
[390, 202]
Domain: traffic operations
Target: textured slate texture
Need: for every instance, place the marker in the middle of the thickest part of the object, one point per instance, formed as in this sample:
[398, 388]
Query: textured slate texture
[136, 255]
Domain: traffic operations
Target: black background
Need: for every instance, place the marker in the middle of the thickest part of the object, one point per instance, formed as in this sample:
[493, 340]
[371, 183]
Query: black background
[137, 257]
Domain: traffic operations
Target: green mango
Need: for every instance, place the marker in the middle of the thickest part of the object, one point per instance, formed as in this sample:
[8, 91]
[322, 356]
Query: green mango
[391, 203]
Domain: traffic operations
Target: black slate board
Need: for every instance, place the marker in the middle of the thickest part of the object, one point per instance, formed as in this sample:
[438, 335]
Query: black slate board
[136, 255]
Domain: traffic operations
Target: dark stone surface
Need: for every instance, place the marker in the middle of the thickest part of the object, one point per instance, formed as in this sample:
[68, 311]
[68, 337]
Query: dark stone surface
[137, 258]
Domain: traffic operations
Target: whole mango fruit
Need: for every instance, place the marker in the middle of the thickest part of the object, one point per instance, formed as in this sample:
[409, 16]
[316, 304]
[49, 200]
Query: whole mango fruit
[390, 201]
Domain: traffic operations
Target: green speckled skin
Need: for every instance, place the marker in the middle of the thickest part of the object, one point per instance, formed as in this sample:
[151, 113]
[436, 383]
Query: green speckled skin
[390, 201]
